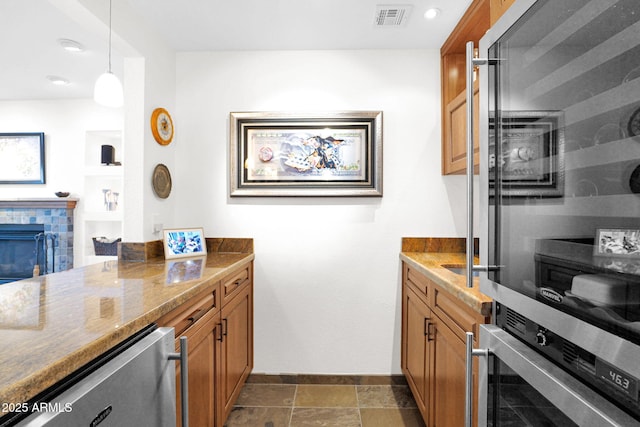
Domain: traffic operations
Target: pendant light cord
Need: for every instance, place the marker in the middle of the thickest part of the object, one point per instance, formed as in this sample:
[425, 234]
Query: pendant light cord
[109, 35]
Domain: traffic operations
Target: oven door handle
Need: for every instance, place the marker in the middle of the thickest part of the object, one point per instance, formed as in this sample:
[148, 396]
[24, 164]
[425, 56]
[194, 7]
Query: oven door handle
[468, 381]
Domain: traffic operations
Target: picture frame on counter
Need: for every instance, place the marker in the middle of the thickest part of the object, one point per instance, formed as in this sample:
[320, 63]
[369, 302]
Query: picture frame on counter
[22, 158]
[530, 157]
[184, 242]
[306, 154]
[616, 242]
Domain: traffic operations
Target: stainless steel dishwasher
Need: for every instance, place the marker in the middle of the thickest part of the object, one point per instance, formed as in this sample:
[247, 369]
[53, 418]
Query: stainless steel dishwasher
[135, 387]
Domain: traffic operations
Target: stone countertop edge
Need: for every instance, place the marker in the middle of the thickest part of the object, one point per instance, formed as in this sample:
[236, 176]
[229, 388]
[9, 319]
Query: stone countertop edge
[24, 378]
[446, 252]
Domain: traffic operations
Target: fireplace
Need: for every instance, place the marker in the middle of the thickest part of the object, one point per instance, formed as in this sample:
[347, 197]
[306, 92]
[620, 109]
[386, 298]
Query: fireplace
[35, 228]
[22, 248]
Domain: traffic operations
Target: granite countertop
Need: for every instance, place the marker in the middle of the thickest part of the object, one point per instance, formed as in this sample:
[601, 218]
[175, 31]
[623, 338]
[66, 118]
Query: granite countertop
[431, 257]
[52, 325]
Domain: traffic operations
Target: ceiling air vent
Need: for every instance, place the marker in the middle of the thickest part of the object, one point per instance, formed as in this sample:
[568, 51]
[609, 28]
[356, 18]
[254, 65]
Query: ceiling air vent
[394, 15]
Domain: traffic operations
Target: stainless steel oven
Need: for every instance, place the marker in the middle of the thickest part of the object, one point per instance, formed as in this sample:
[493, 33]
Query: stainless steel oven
[560, 207]
[523, 388]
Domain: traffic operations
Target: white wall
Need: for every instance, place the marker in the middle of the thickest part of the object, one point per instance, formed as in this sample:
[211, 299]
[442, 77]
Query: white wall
[65, 124]
[327, 273]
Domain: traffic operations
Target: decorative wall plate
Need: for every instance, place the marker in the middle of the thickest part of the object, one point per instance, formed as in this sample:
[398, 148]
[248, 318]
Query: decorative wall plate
[162, 126]
[161, 181]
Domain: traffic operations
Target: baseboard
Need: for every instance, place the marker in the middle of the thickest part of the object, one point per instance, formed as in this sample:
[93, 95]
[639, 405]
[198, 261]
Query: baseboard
[257, 378]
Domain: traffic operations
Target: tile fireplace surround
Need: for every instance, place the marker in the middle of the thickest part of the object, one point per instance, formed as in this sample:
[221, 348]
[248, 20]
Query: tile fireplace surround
[55, 214]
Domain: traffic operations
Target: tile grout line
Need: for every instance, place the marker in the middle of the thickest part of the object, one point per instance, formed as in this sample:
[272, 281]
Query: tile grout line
[358, 403]
[293, 404]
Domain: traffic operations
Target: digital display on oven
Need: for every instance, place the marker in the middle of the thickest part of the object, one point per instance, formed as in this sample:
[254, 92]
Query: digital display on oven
[619, 379]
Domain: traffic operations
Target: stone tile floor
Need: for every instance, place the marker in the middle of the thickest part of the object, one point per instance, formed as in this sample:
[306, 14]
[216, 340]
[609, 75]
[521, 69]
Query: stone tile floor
[334, 405]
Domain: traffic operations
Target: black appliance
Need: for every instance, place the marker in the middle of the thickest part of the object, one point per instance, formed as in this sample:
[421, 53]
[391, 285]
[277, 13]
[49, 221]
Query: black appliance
[107, 155]
[560, 213]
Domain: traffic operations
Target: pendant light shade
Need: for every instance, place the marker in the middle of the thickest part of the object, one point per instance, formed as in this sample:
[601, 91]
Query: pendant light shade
[108, 89]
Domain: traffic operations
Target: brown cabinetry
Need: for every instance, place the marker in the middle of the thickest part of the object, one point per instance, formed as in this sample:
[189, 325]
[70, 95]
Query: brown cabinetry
[416, 346]
[454, 149]
[434, 324]
[475, 22]
[236, 352]
[218, 325]
[203, 370]
[498, 8]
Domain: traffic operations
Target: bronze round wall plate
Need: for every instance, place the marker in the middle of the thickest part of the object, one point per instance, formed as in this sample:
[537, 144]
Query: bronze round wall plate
[161, 181]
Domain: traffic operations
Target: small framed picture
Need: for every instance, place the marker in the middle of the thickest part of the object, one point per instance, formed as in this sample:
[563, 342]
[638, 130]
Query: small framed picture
[184, 242]
[617, 242]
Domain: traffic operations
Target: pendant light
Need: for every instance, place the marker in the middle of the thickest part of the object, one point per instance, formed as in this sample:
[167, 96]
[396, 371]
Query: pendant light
[108, 89]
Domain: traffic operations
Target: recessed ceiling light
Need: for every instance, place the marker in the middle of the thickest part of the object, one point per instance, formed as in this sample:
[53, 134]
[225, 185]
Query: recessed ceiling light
[432, 13]
[70, 45]
[58, 81]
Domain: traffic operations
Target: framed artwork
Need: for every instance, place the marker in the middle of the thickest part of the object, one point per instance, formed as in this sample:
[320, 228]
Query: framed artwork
[184, 242]
[304, 154]
[22, 158]
[529, 158]
[613, 242]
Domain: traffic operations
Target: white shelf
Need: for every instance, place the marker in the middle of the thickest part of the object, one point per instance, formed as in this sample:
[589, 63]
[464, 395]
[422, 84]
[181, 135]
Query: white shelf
[96, 220]
[104, 171]
[103, 216]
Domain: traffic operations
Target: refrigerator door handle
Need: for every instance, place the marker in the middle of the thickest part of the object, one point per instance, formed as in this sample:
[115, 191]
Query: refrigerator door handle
[184, 379]
[468, 382]
[470, 147]
[471, 62]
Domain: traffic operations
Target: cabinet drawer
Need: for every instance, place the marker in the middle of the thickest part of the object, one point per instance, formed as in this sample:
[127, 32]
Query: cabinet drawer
[189, 313]
[233, 283]
[454, 313]
[419, 281]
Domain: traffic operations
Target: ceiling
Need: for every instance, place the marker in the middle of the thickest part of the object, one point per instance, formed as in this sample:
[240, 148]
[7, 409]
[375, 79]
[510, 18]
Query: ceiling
[201, 25]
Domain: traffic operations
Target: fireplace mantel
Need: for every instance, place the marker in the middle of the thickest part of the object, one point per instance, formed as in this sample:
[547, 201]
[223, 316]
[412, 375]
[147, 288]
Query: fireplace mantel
[51, 203]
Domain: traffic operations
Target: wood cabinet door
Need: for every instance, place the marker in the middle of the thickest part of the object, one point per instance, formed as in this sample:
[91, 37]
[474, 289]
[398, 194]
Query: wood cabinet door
[455, 134]
[498, 8]
[236, 349]
[417, 347]
[448, 371]
[202, 348]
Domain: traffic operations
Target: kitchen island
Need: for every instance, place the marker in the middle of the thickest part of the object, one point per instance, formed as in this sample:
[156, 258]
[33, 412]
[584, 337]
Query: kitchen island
[50, 326]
